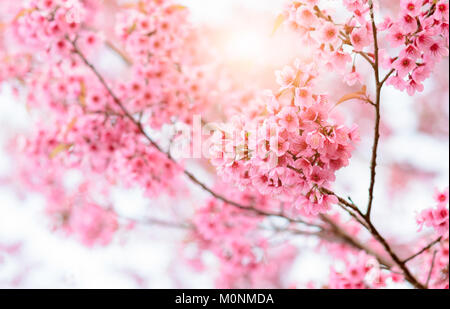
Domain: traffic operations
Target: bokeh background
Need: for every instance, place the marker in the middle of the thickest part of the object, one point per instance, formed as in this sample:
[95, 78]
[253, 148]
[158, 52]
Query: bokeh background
[414, 158]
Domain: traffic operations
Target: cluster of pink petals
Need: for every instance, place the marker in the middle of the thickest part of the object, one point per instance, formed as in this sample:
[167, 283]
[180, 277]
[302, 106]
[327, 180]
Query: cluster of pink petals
[437, 217]
[81, 127]
[93, 224]
[168, 82]
[418, 38]
[84, 128]
[292, 148]
[438, 256]
[328, 38]
[421, 34]
[169, 79]
[435, 260]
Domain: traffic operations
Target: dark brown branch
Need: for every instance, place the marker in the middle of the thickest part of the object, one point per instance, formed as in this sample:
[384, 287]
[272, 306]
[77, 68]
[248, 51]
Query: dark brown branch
[354, 242]
[342, 200]
[353, 215]
[407, 273]
[373, 163]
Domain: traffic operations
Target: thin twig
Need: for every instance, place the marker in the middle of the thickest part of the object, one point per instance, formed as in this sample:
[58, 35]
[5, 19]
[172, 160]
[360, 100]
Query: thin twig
[364, 55]
[407, 273]
[431, 269]
[353, 242]
[387, 76]
[373, 163]
[422, 250]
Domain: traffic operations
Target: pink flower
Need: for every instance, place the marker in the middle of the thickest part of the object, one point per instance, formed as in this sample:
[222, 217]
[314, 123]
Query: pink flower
[352, 78]
[408, 23]
[354, 134]
[438, 217]
[272, 105]
[315, 140]
[385, 59]
[93, 224]
[404, 66]
[95, 100]
[303, 97]
[304, 166]
[354, 5]
[411, 7]
[440, 214]
[339, 60]
[318, 175]
[442, 10]
[435, 51]
[441, 196]
[396, 36]
[410, 52]
[421, 73]
[397, 82]
[360, 38]
[329, 33]
[305, 17]
[288, 119]
[386, 24]
[424, 40]
[412, 87]
[278, 145]
[285, 78]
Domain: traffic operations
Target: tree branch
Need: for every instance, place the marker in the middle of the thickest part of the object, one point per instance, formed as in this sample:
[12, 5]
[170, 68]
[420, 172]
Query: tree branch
[422, 250]
[373, 163]
[431, 269]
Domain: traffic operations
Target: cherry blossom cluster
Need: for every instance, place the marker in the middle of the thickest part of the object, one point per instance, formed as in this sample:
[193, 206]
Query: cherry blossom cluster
[361, 271]
[333, 44]
[169, 79]
[44, 25]
[72, 209]
[80, 125]
[291, 148]
[421, 34]
[83, 120]
[90, 223]
[435, 259]
[435, 266]
[167, 84]
[436, 217]
[415, 41]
